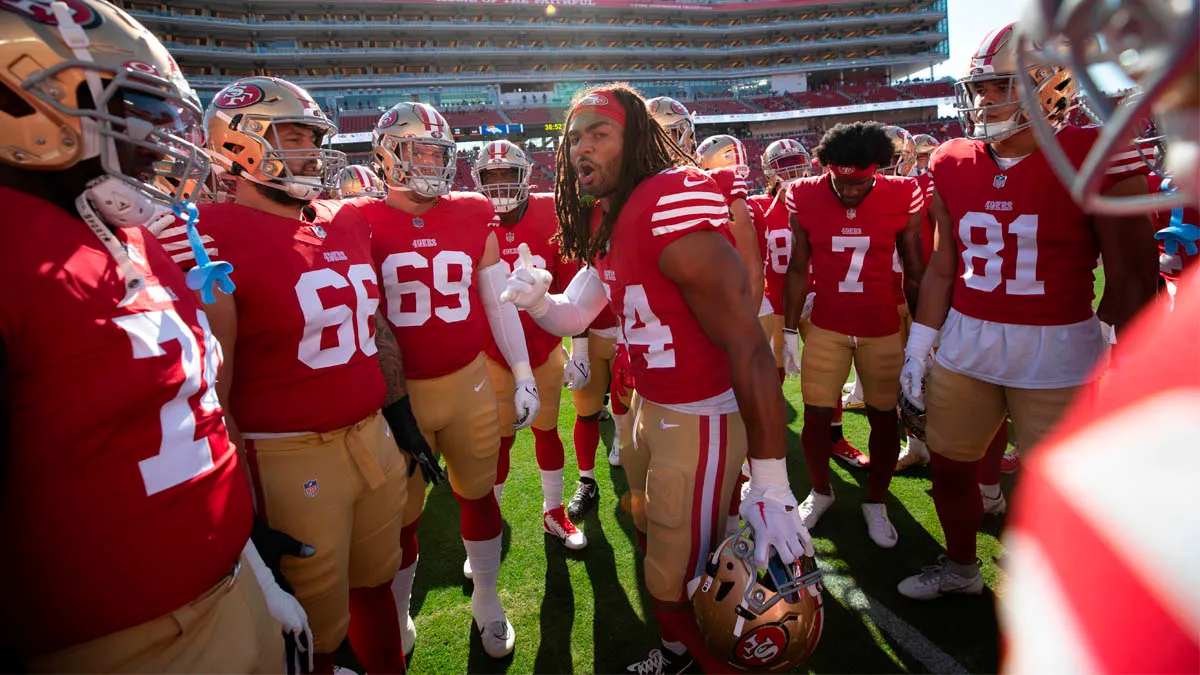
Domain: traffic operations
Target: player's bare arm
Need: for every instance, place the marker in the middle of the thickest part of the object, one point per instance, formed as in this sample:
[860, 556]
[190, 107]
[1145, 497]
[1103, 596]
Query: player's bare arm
[222, 318]
[938, 281]
[714, 284]
[1130, 255]
[908, 243]
[390, 361]
[742, 226]
[795, 289]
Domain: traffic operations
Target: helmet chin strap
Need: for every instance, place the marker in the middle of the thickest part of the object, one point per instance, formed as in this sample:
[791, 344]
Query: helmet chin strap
[134, 281]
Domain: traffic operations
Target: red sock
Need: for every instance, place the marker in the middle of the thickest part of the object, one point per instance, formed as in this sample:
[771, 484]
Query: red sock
[375, 629]
[989, 467]
[885, 450]
[642, 541]
[322, 664]
[837, 412]
[818, 449]
[480, 517]
[502, 464]
[587, 441]
[408, 543]
[548, 447]
[735, 502]
[959, 505]
[782, 374]
[680, 626]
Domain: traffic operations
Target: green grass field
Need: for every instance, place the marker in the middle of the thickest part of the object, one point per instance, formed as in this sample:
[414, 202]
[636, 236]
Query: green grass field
[587, 611]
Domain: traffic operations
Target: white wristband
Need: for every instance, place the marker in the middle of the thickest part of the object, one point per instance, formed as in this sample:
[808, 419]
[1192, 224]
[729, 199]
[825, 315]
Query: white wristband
[920, 340]
[521, 371]
[579, 348]
[769, 473]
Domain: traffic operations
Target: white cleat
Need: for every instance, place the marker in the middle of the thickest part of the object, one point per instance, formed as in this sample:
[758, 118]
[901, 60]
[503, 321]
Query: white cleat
[814, 506]
[993, 506]
[408, 637]
[558, 525]
[879, 527]
[853, 402]
[913, 454]
[614, 455]
[944, 578]
[467, 571]
[497, 636]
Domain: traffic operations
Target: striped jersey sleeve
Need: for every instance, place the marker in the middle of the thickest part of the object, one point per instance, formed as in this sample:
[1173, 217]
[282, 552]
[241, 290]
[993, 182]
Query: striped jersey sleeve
[917, 200]
[684, 202]
[173, 237]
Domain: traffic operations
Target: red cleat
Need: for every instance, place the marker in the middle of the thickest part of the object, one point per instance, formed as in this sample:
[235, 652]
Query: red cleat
[849, 454]
[1011, 462]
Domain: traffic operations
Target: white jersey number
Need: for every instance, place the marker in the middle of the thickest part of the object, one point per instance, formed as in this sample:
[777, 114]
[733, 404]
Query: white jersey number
[422, 303]
[181, 456]
[348, 321]
[1024, 229]
[643, 328]
[779, 250]
[858, 247]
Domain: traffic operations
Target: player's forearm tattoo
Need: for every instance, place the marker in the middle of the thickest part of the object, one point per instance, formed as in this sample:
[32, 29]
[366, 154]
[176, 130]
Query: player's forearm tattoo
[389, 360]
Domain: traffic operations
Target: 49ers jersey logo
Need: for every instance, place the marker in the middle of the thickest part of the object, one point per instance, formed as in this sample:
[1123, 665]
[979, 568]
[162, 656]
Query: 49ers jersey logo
[761, 646]
[238, 95]
[40, 11]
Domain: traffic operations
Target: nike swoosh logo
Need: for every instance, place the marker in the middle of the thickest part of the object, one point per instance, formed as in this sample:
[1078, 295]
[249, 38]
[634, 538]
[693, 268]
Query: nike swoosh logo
[663, 425]
[688, 183]
[480, 385]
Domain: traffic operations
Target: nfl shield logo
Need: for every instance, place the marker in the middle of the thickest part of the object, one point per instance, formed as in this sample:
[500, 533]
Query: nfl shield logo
[510, 237]
[999, 181]
[311, 488]
[319, 231]
[851, 214]
[417, 222]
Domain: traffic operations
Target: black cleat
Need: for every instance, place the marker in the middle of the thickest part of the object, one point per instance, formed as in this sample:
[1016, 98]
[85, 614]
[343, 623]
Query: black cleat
[587, 495]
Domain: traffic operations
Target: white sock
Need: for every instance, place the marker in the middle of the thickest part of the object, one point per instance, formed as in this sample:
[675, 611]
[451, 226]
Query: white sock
[590, 473]
[485, 564]
[617, 422]
[498, 490]
[990, 491]
[918, 446]
[857, 386]
[675, 648]
[402, 585]
[552, 487]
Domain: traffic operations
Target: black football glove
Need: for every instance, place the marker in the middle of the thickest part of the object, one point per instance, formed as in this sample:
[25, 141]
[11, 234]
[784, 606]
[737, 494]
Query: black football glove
[272, 545]
[399, 416]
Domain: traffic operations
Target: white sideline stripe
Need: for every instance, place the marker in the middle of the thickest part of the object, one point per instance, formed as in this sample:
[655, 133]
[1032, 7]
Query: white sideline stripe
[843, 589]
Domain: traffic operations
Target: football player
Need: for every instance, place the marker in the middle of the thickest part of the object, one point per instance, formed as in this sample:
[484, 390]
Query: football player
[125, 508]
[302, 379]
[676, 121]
[724, 158]
[360, 181]
[925, 145]
[1091, 504]
[501, 173]
[1009, 288]
[653, 234]
[849, 223]
[439, 260]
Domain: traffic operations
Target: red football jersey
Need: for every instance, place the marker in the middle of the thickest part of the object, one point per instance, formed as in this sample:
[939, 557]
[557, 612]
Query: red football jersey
[537, 227]
[1170, 267]
[123, 499]
[925, 180]
[732, 186]
[306, 299]
[1098, 527]
[777, 245]
[427, 266]
[1026, 250]
[673, 359]
[604, 320]
[853, 251]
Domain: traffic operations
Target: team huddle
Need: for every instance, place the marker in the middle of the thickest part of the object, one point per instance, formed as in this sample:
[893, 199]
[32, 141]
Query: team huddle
[279, 351]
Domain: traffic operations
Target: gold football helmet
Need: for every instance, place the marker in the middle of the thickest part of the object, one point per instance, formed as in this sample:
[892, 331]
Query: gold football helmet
[241, 127]
[996, 59]
[1150, 48]
[676, 120]
[723, 150]
[85, 80]
[904, 152]
[500, 156]
[361, 181]
[762, 622]
[415, 148]
[785, 160]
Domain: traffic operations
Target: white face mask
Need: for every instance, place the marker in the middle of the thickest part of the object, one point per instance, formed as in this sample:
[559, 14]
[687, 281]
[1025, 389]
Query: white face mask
[120, 204]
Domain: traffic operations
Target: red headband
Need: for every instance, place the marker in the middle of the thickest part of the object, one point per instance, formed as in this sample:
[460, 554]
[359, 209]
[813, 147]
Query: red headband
[601, 102]
[854, 171]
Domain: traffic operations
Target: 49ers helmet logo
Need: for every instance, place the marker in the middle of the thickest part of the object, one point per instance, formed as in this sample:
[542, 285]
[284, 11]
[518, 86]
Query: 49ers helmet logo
[40, 11]
[761, 646]
[238, 95]
[389, 118]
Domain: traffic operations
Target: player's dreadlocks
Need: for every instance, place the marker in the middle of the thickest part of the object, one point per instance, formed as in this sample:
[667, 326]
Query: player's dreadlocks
[647, 150]
[858, 144]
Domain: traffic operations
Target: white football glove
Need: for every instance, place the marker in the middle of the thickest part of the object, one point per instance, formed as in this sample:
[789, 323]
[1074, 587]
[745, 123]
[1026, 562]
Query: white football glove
[808, 305]
[578, 370]
[527, 285]
[283, 607]
[918, 361]
[769, 507]
[527, 403]
[791, 352]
